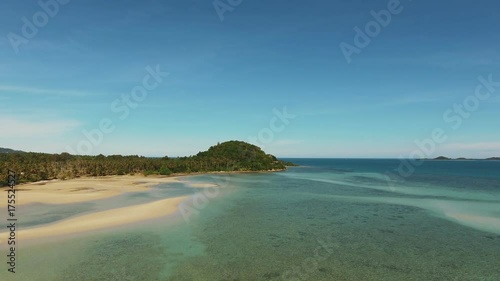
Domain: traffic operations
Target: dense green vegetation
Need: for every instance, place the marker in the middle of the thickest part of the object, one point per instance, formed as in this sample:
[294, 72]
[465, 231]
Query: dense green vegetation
[227, 156]
[238, 156]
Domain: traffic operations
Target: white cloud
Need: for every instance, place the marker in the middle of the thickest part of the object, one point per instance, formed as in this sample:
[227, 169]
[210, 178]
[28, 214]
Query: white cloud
[16, 127]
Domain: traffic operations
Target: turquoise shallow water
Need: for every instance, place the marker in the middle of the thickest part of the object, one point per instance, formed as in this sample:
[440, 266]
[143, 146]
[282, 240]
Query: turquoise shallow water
[329, 219]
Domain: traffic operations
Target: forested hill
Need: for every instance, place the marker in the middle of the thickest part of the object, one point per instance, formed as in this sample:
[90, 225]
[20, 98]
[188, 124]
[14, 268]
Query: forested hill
[228, 156]
[8, 150]
[240, 156]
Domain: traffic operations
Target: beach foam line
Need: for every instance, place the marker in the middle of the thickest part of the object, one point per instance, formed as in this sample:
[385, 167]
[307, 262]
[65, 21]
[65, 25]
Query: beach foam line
[101, 220]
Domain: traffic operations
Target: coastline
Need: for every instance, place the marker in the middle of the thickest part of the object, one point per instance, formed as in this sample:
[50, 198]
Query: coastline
[85, 189]
[224, 172]
[142, 176]
[101, 220]
[80, 189]
[59, 191]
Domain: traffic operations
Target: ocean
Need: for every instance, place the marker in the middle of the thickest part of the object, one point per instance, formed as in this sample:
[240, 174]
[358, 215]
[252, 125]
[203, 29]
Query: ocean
[327, 219]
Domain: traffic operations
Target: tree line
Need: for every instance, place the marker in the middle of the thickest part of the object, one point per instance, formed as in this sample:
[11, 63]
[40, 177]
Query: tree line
[225, 157]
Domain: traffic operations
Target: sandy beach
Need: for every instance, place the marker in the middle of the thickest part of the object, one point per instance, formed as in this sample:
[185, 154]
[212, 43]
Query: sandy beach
[88, 189]
[101, 220]
[80, 189]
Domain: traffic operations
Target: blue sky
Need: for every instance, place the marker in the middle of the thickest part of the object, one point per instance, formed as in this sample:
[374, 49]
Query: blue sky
[227, 76]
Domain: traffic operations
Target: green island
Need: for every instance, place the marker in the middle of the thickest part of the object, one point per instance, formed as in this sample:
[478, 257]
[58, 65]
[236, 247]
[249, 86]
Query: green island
[230, 156]
[442, 158]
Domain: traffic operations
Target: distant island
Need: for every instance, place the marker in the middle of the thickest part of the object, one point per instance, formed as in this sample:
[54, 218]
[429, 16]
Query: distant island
[230, 156]
[462, 158]
[442, 158]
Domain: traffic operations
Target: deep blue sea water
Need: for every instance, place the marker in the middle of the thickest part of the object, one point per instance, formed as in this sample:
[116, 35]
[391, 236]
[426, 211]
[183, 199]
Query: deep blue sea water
[328, 219]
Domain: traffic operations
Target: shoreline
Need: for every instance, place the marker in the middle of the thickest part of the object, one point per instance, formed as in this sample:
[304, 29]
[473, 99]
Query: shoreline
[79, 190]
[101, 220]
[87, 189]
[154, 176]
[224, 172]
